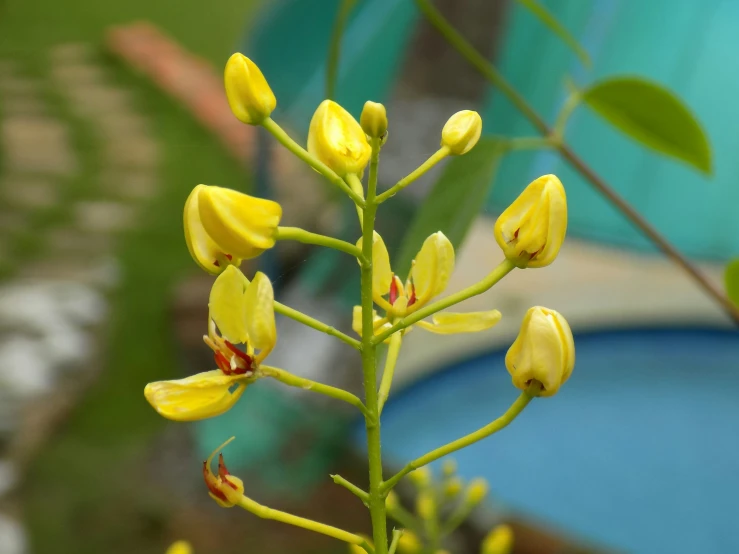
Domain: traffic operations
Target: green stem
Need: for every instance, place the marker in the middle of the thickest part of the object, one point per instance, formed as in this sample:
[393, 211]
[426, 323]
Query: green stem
[351, 487]
[397, 533]
[435, 158]
[313, 323]
[459, 515]
[529, 143]
[369, 369]
[334, 49]
[505, 267]
[356, 185]
[306, 237]
[405, 518]
[492, 427]
[389, 370]
[558, 132]
[268, 513]
[479, 62]
[284, 139]
[302, 383]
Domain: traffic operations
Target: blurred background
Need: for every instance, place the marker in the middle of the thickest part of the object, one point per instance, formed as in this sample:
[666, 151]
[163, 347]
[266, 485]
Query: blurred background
[110, 112]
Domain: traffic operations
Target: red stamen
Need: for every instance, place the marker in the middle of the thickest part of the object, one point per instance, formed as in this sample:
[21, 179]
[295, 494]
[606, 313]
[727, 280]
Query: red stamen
[223, 472]
[412, 299]
[393, 291]
[515, 235]
[245, 358]
[210, 482]
[223, 364]
[230, 257]
[216, 263]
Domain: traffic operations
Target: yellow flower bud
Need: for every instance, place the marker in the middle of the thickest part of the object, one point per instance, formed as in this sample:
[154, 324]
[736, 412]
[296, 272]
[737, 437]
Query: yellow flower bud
[223, 226]
[420, 477]
[544, 351]
[498, 541]
[356, 549]
[531, 230]
[337, 140]
[461, 132]
[409, 543]
[392, 501]
[477, 490]
[248, 93]
[425, 505]
[449, 468]
[373, 119]
[453, 487]
[180, 547]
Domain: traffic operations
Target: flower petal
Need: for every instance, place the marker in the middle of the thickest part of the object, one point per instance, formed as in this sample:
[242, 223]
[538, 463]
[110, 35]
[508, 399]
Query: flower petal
[197, 397]
[433, 267]
[203, 249]
[260, 315]
[382, 274]
[448, 323]
[242, 224]
[227, 305]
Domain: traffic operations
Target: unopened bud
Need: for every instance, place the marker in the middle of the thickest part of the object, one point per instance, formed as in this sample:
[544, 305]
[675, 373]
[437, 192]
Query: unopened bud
[477, 490]
[409, 543]
[449, 468]
[498, 541]
[180, 547]
[373, 119]
[391, 501]
[453, 487]
[461, 132]
[420, 477]
[249, 96]
[425, 505]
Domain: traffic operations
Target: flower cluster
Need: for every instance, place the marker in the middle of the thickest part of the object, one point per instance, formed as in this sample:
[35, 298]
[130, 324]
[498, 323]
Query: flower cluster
[223, 227]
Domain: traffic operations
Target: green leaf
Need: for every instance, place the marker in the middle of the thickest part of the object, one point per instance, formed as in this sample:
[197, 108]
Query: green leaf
[454, 202]
[652, 115]
[731, 280]
[548, 19]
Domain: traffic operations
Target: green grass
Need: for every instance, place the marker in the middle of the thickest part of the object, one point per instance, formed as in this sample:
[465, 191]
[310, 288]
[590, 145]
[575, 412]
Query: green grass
[83, 493]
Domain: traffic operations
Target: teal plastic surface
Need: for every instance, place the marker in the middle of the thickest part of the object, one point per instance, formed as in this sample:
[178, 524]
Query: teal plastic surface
[688, 46]
[291, 40]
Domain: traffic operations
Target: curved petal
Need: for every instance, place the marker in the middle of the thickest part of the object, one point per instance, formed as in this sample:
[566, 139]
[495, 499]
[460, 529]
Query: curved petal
[260, 315]
[382, 274]
[242, 224]
[198, 397]
[203, 249]
[227, 305]
[433, 267]
[448, 323]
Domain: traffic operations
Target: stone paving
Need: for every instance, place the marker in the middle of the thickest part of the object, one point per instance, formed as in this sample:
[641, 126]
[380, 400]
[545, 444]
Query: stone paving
[53, 302]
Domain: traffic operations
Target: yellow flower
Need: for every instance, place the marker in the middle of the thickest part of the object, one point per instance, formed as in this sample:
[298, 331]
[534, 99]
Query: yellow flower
[531, 230]
[179, 547]
[429, 276]
[338, 140]
[244, 314]
[223, 226]
[224, 488]
[248, 93]
[498, 541]
[421, 477]
[409, 543]
[461, 133]
[426, 505]
[373, 119]
[544, 351]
